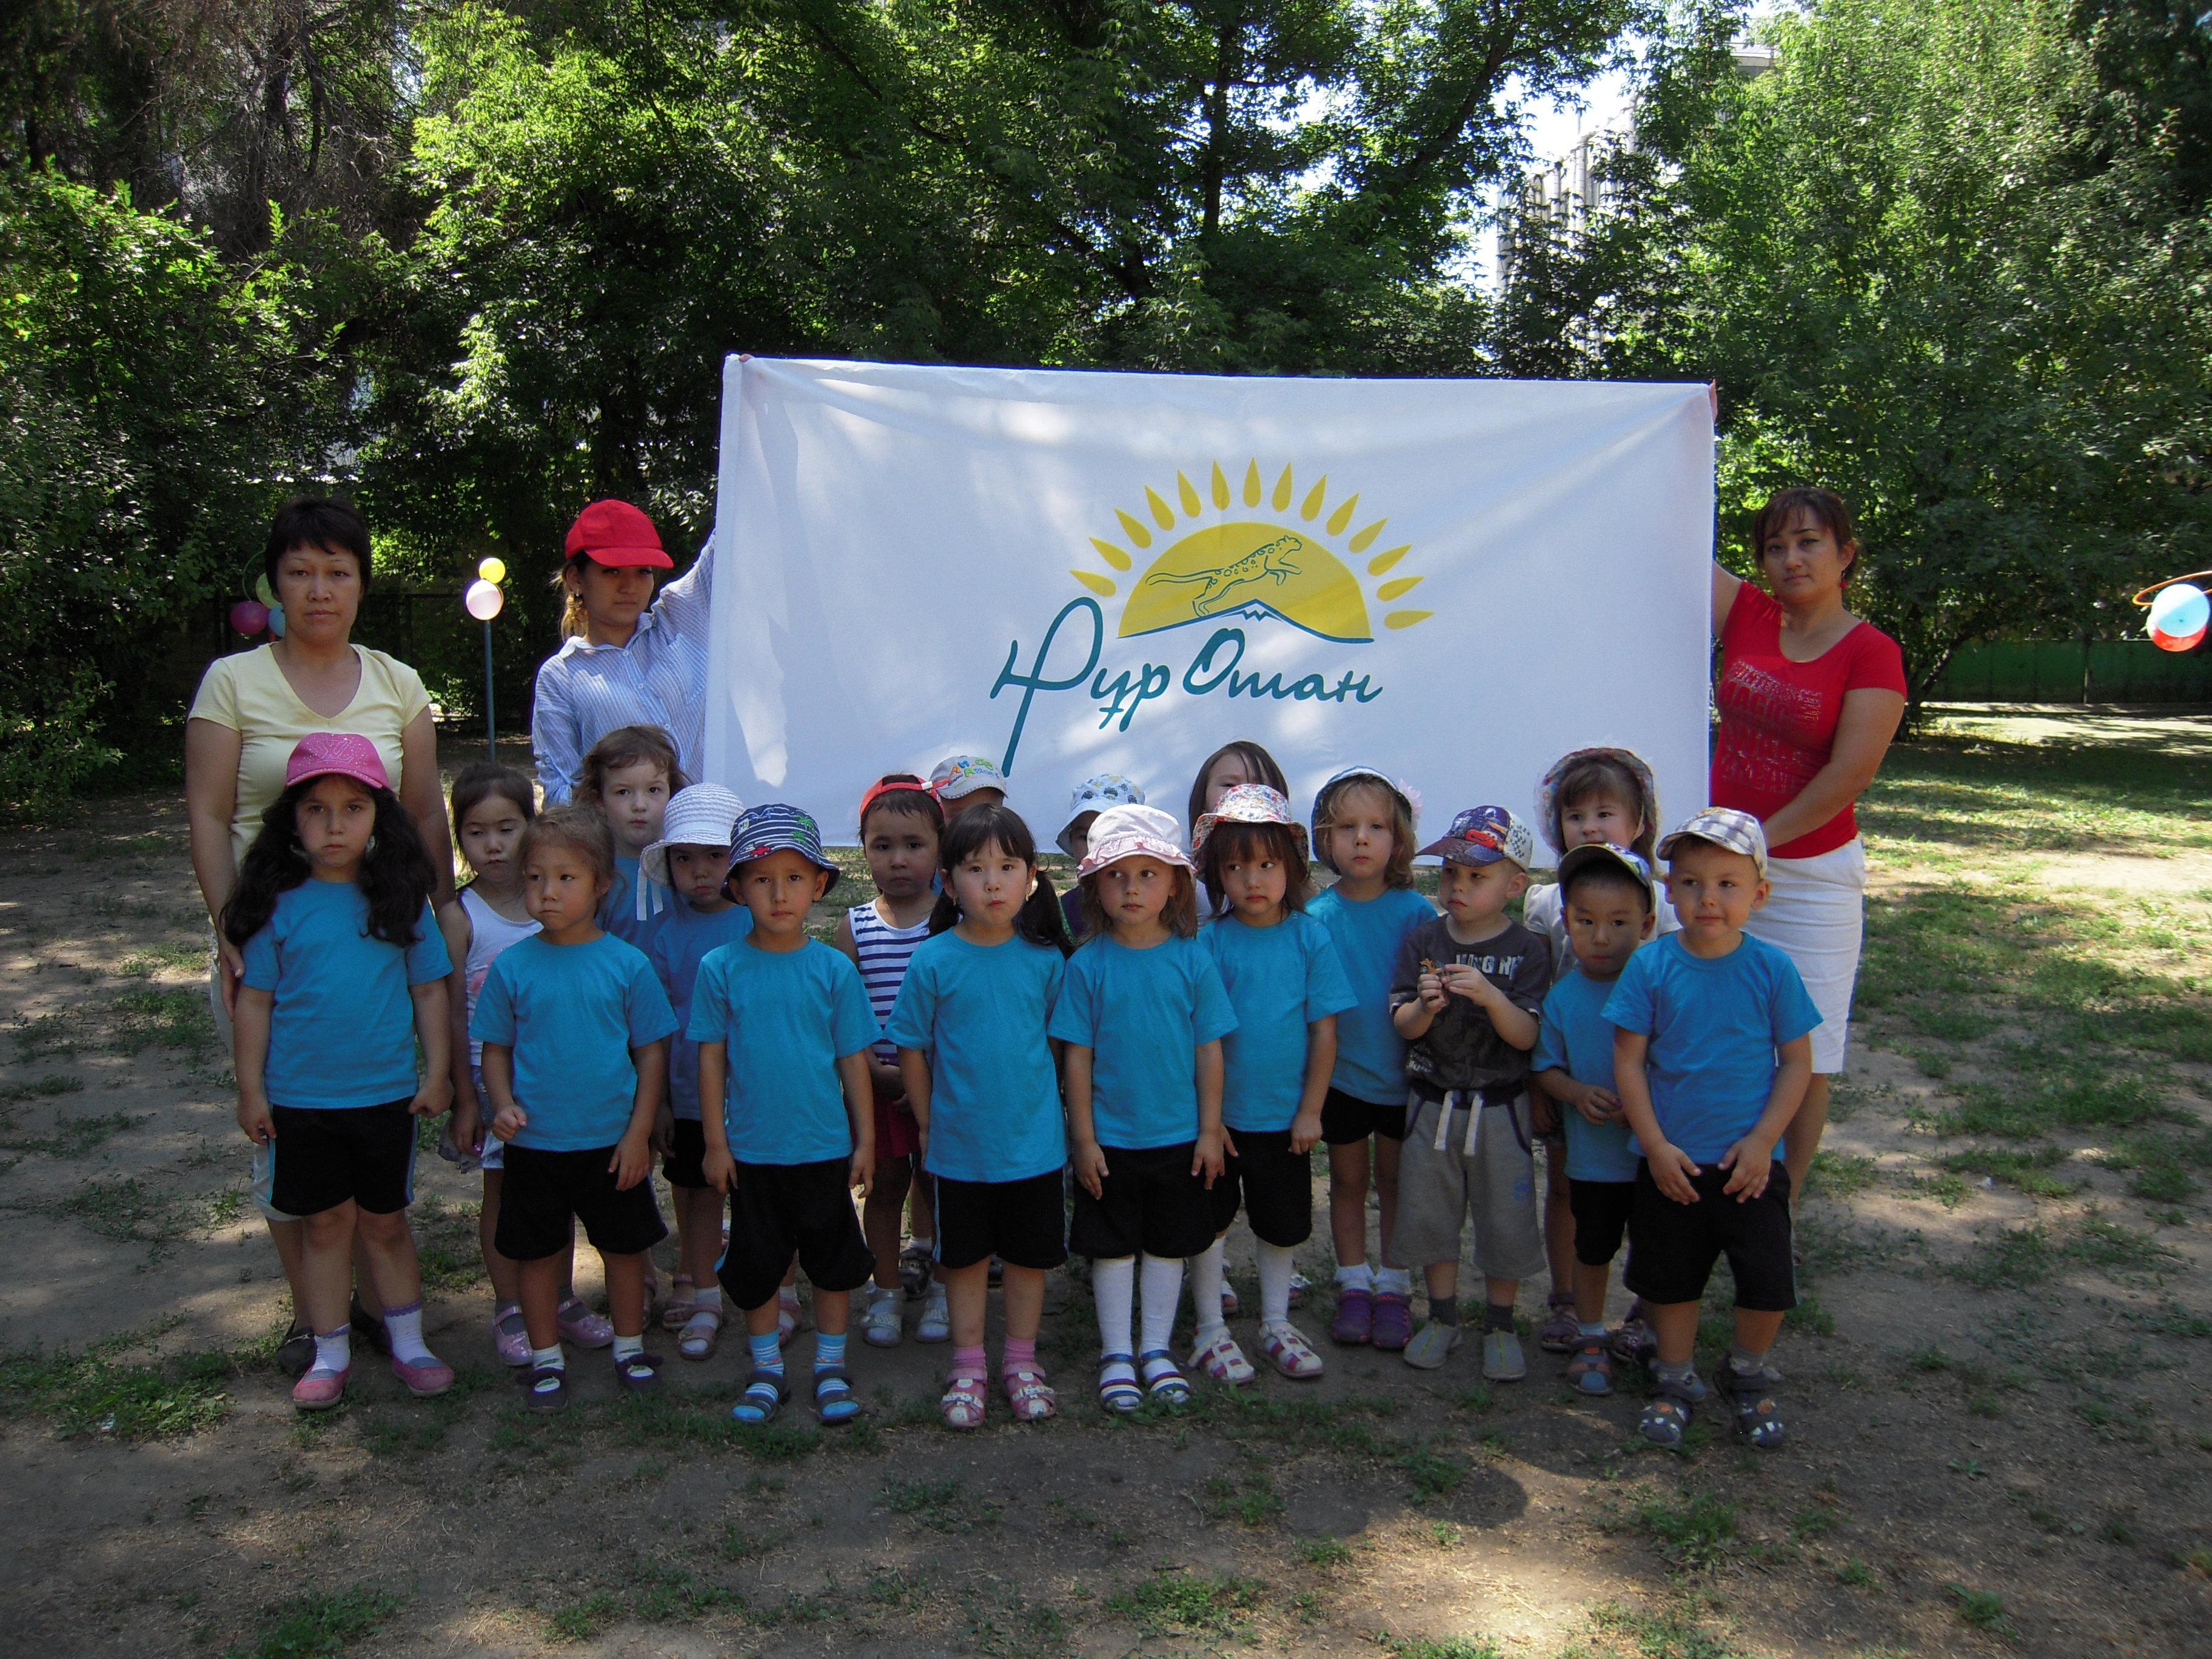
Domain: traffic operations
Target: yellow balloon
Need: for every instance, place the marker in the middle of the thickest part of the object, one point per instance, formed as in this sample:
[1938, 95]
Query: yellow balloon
[493, 570]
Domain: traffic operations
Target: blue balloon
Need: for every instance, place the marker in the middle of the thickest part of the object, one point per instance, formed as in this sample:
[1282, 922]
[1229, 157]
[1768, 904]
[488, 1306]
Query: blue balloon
[2180, 610]
[277, 619]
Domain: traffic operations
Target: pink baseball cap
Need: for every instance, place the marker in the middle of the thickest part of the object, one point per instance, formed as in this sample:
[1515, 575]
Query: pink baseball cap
[336, 754]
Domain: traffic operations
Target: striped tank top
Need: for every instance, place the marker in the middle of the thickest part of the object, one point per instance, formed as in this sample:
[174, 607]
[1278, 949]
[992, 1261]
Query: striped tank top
[884, 952]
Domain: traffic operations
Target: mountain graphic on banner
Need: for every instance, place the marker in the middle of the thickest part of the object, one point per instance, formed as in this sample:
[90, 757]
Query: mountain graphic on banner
[1252, 568]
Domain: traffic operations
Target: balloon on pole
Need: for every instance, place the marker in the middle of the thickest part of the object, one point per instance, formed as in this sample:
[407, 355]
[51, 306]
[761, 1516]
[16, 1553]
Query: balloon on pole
[483, 600]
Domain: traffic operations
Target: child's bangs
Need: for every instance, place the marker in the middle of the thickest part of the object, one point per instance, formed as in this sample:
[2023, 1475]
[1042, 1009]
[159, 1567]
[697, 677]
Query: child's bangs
[983, 828]
[481, 780]
[1603, 777]
[578, 828]
[1385, 802]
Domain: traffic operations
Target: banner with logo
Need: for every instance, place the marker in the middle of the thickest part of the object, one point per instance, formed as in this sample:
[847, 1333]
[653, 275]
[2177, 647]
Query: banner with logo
[1453, 581]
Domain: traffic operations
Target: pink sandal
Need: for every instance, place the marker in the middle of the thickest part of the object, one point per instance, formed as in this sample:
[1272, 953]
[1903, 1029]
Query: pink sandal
[1287, 1350]
[1224, 1361]
[676, 1312]
[966, 1401]
[1031, 1395]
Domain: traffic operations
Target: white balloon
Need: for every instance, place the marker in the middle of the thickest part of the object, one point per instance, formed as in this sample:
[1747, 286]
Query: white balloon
[483, 600]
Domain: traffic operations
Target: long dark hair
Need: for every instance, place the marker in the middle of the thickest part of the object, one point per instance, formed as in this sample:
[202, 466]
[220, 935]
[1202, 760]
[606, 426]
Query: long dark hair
[1240, 843]
[1040, 920]
[1255, 759]
[394, 874]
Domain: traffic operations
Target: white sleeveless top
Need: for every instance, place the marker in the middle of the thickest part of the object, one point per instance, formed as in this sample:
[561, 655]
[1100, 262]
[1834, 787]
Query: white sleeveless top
[884, 952]
[490, 934]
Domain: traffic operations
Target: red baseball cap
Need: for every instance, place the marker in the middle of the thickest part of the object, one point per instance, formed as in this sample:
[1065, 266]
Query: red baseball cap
[340, 754]
[616, 533]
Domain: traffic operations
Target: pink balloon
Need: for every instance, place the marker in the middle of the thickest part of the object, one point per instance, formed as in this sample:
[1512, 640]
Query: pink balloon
[2176, 642]
[249, 616]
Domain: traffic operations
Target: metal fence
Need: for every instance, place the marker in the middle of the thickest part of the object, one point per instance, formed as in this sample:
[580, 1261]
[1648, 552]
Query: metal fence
[2074, 670]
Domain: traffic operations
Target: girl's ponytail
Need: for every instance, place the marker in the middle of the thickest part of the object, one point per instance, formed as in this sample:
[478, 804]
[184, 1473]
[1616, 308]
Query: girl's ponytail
[574, 620]
[1040, 920]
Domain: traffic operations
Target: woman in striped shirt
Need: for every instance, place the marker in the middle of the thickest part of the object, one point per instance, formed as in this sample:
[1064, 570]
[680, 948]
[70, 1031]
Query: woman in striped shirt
[627, 658]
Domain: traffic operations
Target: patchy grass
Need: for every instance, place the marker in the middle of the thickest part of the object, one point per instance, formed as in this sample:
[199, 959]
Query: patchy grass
[45, 1088]
[941, 1506]
[321, 1625]
[95, 1390]
[1694, 1529]
[1175, 1603]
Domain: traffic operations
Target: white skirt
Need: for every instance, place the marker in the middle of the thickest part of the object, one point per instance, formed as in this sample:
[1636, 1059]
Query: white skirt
[1816, 915]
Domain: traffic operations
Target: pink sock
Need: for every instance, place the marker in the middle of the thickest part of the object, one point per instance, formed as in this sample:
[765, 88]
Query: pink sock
[1020, 1356]
[970, 1362]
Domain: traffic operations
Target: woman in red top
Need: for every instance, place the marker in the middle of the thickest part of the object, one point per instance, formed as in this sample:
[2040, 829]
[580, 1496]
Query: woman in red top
[1809, 697]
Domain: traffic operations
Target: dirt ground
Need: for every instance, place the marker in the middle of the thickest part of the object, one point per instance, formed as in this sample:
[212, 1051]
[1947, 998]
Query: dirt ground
[2001, 1437]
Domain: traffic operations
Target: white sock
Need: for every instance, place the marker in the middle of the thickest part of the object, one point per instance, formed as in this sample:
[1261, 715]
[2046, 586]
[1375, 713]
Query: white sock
[1393, 1281]
[403, 1325]
[334, 1353]
[628, 1347]
[706, 1298]
[1162, 1289]
[548, 1359]
[1357, 1277]
[1274, 1283]
[1114, 1288]
[1205, 1288]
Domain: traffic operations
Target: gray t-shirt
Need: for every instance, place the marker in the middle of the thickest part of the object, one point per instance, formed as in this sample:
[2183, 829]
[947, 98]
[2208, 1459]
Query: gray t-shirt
[1461, 1049]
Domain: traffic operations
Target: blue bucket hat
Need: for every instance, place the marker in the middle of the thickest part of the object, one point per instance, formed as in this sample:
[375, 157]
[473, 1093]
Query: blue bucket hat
[775, 828]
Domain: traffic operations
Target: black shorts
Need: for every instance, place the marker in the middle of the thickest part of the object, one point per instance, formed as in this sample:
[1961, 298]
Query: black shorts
[321, 1158]
[1274, 1185]
[1022, 1223]
[778, 1210]
[684, 1163]
[1672, 1246]
[545, 1193]
[1346, 1119]
[1601, 1210]
[1149, 1202]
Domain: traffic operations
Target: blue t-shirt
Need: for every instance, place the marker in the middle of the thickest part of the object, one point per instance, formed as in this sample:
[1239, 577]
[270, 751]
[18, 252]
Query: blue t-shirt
[980, 1012]
[571, 1013]
[618, 910]
[342, 1033]
[1143, 1014]
[1279, 981]
[787, 1017]
[1370, 1056]
[1713, 1027]
[679, 945]
[1576, 1038]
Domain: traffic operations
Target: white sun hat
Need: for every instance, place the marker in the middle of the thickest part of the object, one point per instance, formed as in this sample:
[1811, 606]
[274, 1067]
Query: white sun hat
[1128, 832]
[700, 816]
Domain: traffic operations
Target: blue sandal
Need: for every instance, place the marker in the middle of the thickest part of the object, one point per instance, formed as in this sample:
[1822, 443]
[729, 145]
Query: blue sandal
[1117, 1384]
[1164, 1380]
[833, 1395]
[1667, 1418]
[1757, 1415]
[765, 1393]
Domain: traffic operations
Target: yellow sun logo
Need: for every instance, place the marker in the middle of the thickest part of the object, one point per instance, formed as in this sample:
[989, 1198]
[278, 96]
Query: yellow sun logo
[1254, 566]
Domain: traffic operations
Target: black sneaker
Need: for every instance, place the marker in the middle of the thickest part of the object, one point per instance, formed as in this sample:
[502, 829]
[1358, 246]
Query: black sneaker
[370, 1329]
[296, 1351]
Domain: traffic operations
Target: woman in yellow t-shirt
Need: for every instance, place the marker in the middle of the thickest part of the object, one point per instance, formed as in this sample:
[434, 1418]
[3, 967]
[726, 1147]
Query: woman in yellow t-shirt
[251, 708]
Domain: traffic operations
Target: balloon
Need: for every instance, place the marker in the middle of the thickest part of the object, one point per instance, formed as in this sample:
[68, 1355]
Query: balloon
[249, 616]
[2179, 609]
[493, 570]
[277, 619]
[483, 600]
[263, 591]
[2166, 641]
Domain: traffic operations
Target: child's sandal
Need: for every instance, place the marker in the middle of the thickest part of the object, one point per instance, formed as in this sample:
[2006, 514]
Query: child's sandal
[1031, 1395]
[1224, 1361]
[1590, 1371]
[1757, 1414]
[640, 1373]
[1165, 1383]
[765, 1393]
[1665, 1421]
[966, 1401]
[700, 1334]
[547, 1388]
[1287, 1350]
[1117, 1384]
[676, 1311]
[834, 1402]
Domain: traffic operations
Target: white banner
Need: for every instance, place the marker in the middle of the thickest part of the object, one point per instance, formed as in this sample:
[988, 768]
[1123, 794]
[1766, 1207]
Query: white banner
[1453, 581]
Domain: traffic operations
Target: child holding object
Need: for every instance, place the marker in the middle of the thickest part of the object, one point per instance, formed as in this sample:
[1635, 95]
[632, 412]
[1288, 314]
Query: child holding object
[1608, 905]
[970, 1023]
[900, 824]
[783, 1027]
[1466, 996]
[345, 970]
[574, 1028]
[1286, 987]
[1363, 828]
[1602, 797]
[1711, 1056]
[1143, 1012]
[689, 859]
